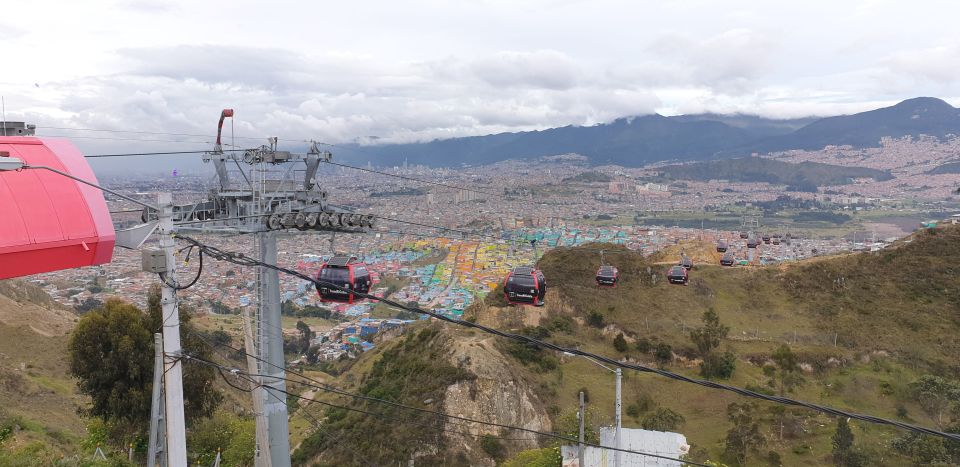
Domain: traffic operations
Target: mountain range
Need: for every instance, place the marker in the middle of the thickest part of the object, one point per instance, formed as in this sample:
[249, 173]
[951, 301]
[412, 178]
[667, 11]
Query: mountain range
[640, 140]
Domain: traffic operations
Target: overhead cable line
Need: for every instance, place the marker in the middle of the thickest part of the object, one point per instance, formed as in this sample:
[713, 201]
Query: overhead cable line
[159, 153]
[137, 132]
[243, 260]
[442, 414]
[419, 180]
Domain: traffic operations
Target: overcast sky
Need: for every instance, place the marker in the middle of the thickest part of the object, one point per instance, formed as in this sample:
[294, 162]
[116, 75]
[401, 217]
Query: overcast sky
[415, 70]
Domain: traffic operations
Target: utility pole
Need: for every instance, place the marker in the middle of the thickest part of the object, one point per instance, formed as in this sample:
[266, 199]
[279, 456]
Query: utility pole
[580, 415]
[275, 385]
[155, 407]
[176, 442]
[617, 454]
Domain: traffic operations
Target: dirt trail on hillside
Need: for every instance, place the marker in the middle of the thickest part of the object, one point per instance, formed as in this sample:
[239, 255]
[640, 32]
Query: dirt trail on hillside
[701, 252]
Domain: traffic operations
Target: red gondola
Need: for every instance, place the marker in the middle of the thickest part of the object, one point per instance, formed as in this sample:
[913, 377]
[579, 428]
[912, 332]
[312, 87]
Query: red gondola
[525, 285]
[346, 272]
[608, 276]
[678, 275]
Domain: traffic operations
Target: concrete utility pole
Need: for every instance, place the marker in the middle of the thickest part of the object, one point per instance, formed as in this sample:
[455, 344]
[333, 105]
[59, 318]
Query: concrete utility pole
[617, 454]
[275, 385]
[155, 407]
[580, 415]
[176, 443]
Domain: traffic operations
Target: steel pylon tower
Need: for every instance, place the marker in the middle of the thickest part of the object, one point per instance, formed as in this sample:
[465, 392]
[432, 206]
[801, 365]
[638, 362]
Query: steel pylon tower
[263, 191]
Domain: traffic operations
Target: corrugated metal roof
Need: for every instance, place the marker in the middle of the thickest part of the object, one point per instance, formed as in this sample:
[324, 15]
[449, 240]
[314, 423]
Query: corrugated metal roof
[50, 222]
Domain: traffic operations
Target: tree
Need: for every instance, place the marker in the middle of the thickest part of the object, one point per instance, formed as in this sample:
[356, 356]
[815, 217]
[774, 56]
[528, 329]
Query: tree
[663, 354]
[744, 437]
[306, 335]
[707, 339]
[842, 442]
[619, 343]
[789, 370]
[111, 353]
[112, 356]
[663, 419]
[924, 449]
[937, 396]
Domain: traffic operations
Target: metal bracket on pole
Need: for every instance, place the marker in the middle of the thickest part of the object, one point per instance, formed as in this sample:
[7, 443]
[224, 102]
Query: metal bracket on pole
[134, 237]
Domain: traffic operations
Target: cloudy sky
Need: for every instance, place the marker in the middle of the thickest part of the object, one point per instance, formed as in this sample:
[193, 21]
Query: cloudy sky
[421, 69]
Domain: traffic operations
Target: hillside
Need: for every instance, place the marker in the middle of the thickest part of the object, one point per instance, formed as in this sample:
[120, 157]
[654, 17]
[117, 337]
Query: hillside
[921, 115]
[757, 169]
[38, 398]
[948, 168]
[436, 368]
[639, 140]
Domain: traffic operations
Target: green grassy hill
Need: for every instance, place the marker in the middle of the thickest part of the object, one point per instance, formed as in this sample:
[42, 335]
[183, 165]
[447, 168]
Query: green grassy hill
[863, 325]
[39, 402]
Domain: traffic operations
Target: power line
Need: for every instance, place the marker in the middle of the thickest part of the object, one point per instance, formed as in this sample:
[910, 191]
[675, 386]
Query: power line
[442, 414]
[419, 180]
[142, 140]
[437, 227]
[161, 153]
[160, 133]
[243, 260]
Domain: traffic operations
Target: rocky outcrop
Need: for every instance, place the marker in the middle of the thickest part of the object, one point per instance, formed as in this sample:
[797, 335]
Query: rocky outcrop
[498, 394]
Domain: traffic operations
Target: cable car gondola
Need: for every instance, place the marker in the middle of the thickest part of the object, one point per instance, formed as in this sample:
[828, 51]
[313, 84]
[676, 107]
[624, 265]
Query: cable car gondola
[685, 262]
[525, 285]
[728, 259]
[678, 275]
[722, 246]
[744, 234]
[608, 276]
[346, 272]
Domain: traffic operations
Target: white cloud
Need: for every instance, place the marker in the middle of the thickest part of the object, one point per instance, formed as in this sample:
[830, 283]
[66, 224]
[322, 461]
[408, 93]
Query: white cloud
[407, 71]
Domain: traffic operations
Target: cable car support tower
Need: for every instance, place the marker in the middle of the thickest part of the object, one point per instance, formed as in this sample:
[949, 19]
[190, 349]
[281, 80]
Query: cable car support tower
[264, 191]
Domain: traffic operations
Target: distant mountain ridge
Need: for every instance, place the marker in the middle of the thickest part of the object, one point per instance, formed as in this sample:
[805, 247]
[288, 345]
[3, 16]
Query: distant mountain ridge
[640, 140]
[805, 176]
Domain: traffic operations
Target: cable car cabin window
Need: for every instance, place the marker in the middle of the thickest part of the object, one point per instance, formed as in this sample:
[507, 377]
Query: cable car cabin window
[335, 275]
[523, 281]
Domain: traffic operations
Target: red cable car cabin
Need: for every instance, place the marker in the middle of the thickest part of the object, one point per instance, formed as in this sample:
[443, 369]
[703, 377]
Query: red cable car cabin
[345, 272]
[608, 276]
[525, 286]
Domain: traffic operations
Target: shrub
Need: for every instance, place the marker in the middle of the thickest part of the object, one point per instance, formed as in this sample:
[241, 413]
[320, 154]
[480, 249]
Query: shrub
[644, 345]
[493, 447]
[619, 343]
[663, 419]
[663, 353]
[595, 319]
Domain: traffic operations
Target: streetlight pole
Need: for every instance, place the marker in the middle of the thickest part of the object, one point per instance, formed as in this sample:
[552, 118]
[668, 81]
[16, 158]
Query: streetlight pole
[617, 454]
[617, 405]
